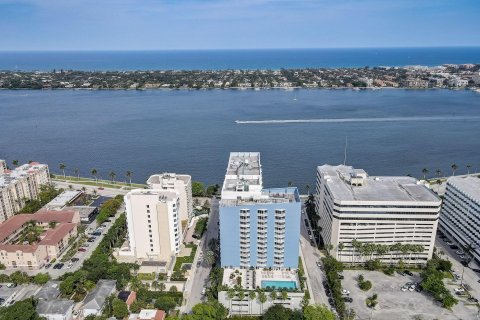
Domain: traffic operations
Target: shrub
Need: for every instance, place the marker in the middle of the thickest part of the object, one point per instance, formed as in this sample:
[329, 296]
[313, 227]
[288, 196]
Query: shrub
[390, 270]
[373, 265]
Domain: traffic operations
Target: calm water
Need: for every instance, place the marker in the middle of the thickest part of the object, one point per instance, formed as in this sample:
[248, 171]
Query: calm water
[236, 59]
[194, 131]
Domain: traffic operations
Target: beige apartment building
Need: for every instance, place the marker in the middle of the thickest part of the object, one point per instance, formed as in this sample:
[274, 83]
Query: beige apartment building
[54, 230]
[154, 227]
[20, 184]
[180, 183]
[381, 210]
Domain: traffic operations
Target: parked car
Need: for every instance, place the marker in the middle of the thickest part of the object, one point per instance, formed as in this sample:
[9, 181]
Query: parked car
[58, 266]
[410, 273]
[319, 264]
[345, 292]
[82, 249]
[404, 288]
[401, 273]
[459, 290]
[460, 252]
[11, 302]
[309, 232]
[96, 233]
[74, 259]
[92, 239]
[69, 265]
[450, 243]
[204, 291]
[85, 245]
[11, 285]
[454, 247]
[347, 299]
[462, 257]
[340, 276]
[419, 288]
[412, 288]
[2, 301]
[48, 265]
[472, 299]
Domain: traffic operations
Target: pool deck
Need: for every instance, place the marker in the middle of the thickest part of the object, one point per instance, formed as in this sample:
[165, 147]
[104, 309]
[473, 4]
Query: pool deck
[252, 279]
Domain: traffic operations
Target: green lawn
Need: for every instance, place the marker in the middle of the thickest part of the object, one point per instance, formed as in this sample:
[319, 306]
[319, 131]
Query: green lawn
[99, 183]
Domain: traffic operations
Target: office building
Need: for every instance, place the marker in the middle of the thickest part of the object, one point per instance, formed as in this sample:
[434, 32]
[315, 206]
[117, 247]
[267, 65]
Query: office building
[375, 210]
[258, 227]
[20, 184]
[154, 228]
[180, 183]
[460, 215]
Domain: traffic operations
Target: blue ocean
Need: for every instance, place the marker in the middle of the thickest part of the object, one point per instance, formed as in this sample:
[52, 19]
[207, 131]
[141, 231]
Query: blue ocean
[236, 59]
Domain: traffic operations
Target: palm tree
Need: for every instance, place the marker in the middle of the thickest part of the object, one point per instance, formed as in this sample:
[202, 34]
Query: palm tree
[241, 296]
[94, 173]
[112, 175]
[307, 189]
[128, 174]
[84, 189]
[439, 183]
[262, 298]
[62, 167]
[340, 247]
[284, 295]
[251, 296]
[209, 257]
[94, 192]
[161, 286]
[15, 163]
[77, 173]
[290, 183]
[438, 172]
[273, 295]
[424, 171]
[155, 284]
[468, 168]
[454, 168]
[230, 295]
[329, 247]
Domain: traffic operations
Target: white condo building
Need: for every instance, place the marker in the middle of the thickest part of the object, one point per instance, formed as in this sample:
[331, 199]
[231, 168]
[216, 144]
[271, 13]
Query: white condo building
[154, 228]
[379, 210]
[20, 184]
[460, 215]
[180, 183]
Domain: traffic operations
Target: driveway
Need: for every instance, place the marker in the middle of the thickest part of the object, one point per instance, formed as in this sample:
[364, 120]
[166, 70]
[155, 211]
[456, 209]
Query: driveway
[200, 274]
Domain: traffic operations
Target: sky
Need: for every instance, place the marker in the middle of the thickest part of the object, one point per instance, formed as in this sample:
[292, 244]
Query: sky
[37, 25]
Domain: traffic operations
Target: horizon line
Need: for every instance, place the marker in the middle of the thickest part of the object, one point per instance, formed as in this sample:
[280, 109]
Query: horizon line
[245, 49]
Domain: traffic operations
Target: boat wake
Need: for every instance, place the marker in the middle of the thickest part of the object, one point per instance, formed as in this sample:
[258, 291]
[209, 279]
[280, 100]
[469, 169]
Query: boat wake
[344, 120]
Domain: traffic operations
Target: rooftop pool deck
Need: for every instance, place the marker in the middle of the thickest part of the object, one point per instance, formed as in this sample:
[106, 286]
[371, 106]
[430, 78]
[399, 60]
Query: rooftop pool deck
[277, 284]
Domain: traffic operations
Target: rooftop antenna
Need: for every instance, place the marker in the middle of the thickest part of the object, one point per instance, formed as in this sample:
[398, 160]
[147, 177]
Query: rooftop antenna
[345, 152]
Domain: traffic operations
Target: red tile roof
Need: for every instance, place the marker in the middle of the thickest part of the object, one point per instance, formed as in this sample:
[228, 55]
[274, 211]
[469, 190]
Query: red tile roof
[53, 236]
[19, 247]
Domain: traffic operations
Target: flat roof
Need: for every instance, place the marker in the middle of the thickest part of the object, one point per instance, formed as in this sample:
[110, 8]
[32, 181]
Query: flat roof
[168, 178]
[378, 188]
[63, 199]
[244, 172]
[272, 195]
[167, 195]
[12, 176]
[469, 185]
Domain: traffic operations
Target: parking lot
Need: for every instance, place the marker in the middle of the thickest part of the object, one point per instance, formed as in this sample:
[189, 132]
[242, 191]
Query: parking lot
[11, 295]
[393, 303]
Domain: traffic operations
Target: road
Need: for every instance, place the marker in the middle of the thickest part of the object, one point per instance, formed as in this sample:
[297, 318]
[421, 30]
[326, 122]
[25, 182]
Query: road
[470, 277]
[314, 274]
[199, 280]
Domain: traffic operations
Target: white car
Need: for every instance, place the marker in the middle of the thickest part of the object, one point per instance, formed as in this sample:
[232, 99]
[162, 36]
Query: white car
[449, 243]
[411, 288]
[69, 265]
[460, 252]
[404, 288]
[203, 291]
[10, 285]
[345, 292]
[459, 290]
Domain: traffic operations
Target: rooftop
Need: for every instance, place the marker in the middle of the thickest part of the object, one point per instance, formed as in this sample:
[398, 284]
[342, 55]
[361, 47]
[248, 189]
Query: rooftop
[64, 198]
[244, 174]
[469, 185]
[348, 184]
[163, 195]
[50, 290]
[96, 298]
[54, 306]
[158, 181]
[272, 195]
[11, 176]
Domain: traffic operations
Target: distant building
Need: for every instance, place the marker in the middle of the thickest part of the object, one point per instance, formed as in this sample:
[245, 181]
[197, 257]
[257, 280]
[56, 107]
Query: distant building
[66, 198]
[94, 301]
[50, 306]
[180, 183]
[258, 227]
[416, 83]
[87, 214]
[476, 78]
[154, 228]
[20, 184]
[58, 228]
[375, 210]
[460, 215]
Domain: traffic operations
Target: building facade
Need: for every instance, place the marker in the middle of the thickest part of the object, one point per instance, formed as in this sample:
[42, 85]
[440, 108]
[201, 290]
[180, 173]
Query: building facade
[180, 183]
[154, 227]
[20, 184]
[376, 212]
[460, 215]
[258, 227]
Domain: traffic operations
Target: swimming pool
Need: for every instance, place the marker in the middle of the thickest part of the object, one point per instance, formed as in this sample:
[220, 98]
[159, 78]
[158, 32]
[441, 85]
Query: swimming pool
[279, 284]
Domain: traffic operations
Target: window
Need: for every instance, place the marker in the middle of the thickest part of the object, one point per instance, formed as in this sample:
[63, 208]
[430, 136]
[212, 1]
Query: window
[148, 206]
[149, 226]
[148, 211]
[149, 221]
[150, 236]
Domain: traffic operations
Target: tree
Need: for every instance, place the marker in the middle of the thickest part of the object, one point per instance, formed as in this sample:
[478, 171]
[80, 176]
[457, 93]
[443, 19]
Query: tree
[137, 306]
[41, 278]
[94, 173]
[307, 189]
[198, 189]
[284, 295]
[277, 312]
[438, 172]
[468, 168]
[119, 309]
[173, 289]
[129, 174]
[112, 176]
[161, 286]
[24, 309]
[454, 168]
[425, 172]
[77, 173]
[273, 295]
[251, 296]
[262, 298]
[230, 295]
[315, 312]
[15, 163]
[62, 167]
[165, 303]
[290, 183]
[210, 310]
[340, 248]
